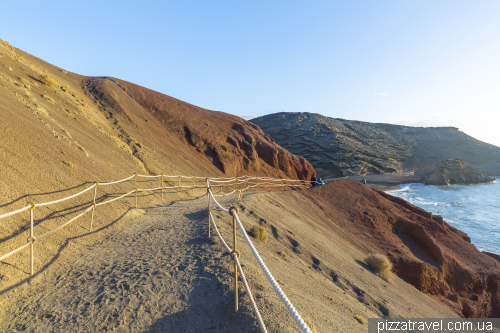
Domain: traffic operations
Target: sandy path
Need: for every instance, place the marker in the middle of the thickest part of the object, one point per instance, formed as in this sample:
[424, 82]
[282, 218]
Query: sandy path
[160, 274]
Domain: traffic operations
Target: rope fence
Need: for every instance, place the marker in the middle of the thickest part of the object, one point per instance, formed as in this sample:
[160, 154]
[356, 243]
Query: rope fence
[233, 211]
[226, 186]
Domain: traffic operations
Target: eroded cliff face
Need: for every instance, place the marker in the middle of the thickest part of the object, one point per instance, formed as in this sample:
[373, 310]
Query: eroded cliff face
[232, 144]
[427, 252]
[339, 147]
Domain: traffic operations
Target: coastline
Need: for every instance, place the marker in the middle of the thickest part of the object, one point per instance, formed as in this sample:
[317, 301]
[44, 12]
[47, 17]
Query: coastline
[383, 182]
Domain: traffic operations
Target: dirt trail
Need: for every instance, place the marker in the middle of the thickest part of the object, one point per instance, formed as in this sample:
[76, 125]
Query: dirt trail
[160, 273]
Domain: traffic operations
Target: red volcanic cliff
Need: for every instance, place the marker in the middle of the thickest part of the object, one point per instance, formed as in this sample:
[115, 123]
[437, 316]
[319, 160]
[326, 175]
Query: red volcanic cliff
[234, 145]
[426, 251]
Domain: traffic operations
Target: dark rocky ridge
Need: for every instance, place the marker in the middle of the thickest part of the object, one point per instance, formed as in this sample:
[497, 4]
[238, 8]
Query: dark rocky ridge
[455, 171]
[338, 147]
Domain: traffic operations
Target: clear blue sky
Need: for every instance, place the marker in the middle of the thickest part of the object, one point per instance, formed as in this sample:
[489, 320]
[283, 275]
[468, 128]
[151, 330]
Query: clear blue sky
[422, 63]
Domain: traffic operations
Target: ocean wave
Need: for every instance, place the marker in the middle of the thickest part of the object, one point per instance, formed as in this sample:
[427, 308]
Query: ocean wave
[472, 209]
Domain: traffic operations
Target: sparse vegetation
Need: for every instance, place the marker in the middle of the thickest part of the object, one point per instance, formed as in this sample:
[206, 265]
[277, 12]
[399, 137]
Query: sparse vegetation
[259, 232]
[48, 81]
[71, 165]
[48, 98]
[282, 253]
[381, 265]
[362, 320]
[30, 97]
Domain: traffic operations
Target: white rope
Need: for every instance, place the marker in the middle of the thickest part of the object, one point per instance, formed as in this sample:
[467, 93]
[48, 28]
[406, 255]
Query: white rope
[15, 251]
[106, 202]
[148, 189]
[243, 278]
[15, 212]
[224, 195]
[218, 205]
[303, 326]
[148, 176]
[64, 199]
[249, 293]
[218, 234]
[223, 181]
[66, 223]
[118, 181]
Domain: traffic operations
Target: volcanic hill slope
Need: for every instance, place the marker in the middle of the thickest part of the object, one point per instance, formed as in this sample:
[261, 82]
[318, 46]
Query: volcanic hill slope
[60, 129]
[153, 268]
[338, 147]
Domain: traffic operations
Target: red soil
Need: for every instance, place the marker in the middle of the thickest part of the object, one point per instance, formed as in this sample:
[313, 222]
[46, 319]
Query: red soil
[426, 251]
[234, 145]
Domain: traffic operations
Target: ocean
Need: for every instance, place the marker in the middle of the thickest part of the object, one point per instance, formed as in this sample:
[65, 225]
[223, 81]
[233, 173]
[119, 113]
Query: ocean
[474, 209]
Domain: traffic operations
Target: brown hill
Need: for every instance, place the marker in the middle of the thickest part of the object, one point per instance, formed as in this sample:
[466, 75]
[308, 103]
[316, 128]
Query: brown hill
[60, 129]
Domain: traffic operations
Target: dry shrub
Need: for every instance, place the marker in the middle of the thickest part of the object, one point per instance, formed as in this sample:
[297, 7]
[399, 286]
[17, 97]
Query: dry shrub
[282, 253]
[30, 97]
[259, 232]
[48, 98]
[71, 165]
[381, 265]
[48, 81]
[362, 320]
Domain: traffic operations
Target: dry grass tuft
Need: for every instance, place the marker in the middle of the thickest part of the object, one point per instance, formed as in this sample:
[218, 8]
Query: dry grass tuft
[362, 320]
[48, 81]
[259, 232]
[48, 98]
[381, 264]
[71, 165]
[30, 97]
[282, 253]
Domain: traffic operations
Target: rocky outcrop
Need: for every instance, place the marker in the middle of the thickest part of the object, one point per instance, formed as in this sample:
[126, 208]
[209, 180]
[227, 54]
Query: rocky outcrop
[455, 171]
[338, 147]
[425, 251]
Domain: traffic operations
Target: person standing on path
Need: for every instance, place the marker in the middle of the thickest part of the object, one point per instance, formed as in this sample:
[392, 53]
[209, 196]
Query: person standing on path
[313, 180]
